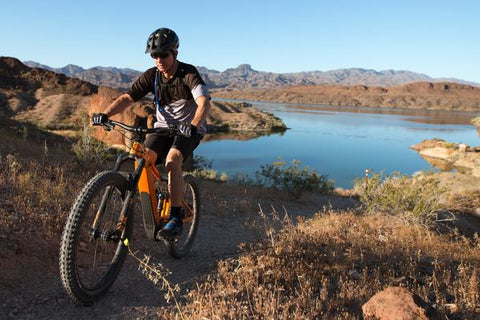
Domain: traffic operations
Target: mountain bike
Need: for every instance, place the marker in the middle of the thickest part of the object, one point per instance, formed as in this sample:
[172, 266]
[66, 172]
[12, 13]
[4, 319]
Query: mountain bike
[99, 226]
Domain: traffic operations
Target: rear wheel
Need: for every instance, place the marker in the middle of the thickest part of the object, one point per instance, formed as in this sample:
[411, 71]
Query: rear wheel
[191, 203]
[92, 251]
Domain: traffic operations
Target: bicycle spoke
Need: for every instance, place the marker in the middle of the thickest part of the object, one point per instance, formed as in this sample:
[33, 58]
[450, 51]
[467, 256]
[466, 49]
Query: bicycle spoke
[97, 249]
[191, 203]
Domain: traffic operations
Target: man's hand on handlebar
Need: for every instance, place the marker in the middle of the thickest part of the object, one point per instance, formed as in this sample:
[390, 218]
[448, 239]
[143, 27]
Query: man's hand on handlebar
[187, 129]
[99, 119]
[184, 129]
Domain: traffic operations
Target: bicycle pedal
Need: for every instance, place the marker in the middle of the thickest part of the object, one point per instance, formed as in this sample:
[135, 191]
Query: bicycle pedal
[169, 235]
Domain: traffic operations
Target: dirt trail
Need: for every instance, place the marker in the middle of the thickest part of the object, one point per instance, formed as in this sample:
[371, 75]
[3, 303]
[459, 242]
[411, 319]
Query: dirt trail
[229, 216]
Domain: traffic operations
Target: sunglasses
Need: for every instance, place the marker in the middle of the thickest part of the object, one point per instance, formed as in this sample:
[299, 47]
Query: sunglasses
[161, 55]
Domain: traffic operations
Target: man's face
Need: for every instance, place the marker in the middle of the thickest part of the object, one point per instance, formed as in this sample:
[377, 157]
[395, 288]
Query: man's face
[163, 61]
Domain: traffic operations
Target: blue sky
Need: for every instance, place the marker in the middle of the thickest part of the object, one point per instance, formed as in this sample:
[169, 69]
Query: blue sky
[438, 38]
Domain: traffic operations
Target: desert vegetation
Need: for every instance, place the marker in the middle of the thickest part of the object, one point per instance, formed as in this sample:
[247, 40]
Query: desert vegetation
[324, 267]
[416, 200]
[327, 267]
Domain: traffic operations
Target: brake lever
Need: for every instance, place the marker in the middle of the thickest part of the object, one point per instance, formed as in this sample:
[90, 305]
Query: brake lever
[108, 126]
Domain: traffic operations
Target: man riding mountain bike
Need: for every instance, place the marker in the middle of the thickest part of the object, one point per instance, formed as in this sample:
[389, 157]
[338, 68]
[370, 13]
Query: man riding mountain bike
[181, 96]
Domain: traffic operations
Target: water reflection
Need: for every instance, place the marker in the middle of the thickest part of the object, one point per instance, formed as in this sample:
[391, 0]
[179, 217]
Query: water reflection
[413, 115]
[341, 141]
[240, 135]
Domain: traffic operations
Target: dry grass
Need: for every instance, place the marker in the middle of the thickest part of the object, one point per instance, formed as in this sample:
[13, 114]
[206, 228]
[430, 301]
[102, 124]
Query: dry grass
[39, 178]
[36, 195]
[328, 267]
[466, 202]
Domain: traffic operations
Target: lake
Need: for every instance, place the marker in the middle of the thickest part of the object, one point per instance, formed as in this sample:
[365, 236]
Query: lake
[341, 142]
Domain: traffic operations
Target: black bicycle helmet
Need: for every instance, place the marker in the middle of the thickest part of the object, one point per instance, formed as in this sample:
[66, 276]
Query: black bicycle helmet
[162, 40]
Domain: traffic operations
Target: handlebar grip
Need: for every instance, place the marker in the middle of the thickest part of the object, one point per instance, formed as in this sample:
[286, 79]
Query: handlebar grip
[182, 129]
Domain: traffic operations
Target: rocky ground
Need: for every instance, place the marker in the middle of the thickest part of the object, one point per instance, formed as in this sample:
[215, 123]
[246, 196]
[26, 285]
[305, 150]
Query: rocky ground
[449, 156]
[230, 218]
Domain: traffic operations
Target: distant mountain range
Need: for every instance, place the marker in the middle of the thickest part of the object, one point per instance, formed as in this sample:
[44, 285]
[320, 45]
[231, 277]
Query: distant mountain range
[56, 101]
[101, 76]
[244, 77]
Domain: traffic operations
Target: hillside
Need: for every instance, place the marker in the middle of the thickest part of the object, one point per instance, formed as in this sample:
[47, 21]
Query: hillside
[245, 77]
[345, 87]
[55, 101]
[40, 95]
[419, 95]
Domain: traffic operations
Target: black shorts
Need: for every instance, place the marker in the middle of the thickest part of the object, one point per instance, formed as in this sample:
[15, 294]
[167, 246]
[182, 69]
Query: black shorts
[162, 144]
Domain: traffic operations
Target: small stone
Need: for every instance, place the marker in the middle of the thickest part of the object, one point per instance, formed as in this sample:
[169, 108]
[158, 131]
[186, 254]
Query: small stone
[354, 274]
[451, 307]
[477, 211]
[463, 147]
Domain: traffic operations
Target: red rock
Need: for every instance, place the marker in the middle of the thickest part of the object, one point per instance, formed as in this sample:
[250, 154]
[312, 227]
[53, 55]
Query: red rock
[397, 303]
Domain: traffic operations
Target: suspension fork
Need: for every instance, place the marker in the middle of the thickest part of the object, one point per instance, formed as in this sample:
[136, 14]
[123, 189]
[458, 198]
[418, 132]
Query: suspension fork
[101, 208]
[108, 193]
[127, 201]
[118, 233]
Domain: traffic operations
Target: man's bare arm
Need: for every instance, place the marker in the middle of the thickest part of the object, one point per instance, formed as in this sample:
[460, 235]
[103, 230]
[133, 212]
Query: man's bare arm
[119, 105]
[203, 103]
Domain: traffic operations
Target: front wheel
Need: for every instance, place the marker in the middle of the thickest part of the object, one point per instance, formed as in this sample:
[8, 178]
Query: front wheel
[92, 251]
[191, 204]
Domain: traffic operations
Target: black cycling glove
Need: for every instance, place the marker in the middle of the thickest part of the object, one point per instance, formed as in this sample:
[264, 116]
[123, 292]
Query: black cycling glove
[99, 119]
[193, 130]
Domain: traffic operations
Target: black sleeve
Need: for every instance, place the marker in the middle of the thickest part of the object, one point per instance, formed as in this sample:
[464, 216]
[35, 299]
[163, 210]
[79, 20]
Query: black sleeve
[192, 76]
[143, 85]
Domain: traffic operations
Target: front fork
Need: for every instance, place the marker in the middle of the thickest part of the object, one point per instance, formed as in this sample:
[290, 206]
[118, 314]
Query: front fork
[133, 179]
[143, 180]
[118, 233]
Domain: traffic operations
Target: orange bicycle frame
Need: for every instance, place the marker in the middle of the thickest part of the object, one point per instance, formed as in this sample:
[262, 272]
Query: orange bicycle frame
[146, 187]
[146, 183]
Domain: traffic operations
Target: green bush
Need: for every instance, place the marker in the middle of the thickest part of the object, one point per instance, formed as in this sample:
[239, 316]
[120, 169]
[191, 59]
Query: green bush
[415, 198]
[88, 149]
[475, 121]
[201, 167]
[292, 178]
[242, 179]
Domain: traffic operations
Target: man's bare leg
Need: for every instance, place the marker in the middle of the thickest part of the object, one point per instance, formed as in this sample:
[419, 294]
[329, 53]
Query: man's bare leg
[175, 177]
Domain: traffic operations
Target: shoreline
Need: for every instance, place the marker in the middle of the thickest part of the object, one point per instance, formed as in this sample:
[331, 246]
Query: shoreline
[375, 109]
[417, 96]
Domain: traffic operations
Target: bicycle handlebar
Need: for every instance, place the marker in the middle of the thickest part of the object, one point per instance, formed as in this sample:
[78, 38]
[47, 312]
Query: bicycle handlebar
[182, 129]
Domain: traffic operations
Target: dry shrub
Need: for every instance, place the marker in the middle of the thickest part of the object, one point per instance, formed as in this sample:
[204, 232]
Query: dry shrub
[90, 151]
[293, 178]
[36, 195]
[416, 199]
[330, 266]
[466, 202]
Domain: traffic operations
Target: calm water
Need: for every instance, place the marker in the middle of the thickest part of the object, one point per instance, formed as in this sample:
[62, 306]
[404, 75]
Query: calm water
[342, 142]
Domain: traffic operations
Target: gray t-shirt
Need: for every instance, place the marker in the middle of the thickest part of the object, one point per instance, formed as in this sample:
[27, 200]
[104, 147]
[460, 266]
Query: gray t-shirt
[176, 96]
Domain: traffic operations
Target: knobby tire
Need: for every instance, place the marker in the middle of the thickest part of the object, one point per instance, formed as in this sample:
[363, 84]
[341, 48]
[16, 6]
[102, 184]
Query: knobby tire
[78, 246]
[184, 242]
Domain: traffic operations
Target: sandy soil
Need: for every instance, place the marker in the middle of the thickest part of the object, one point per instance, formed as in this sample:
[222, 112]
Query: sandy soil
[31, 288]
